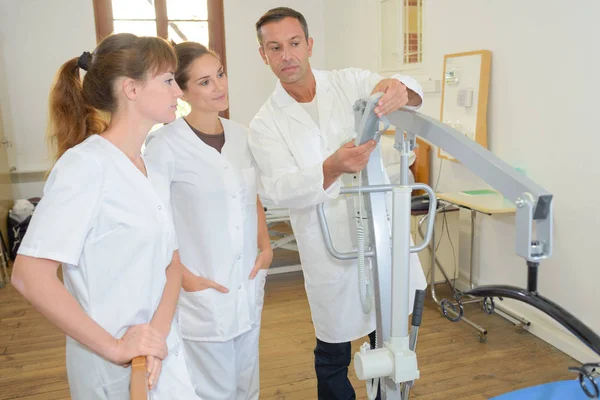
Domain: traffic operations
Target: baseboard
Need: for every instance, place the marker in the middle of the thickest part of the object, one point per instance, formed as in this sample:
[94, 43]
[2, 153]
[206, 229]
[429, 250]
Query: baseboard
[543, 327]
[463, 280]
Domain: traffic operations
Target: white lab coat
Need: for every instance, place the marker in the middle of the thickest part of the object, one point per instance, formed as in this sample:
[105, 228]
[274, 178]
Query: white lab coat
[289, 149]
[113, 233]
[213, 198]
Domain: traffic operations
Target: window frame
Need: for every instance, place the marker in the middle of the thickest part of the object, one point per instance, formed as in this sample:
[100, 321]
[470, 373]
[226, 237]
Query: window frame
[386, 65]
[104, 20]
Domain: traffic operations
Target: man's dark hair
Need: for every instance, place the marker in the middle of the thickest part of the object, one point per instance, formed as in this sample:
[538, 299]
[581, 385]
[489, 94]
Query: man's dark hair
[277, 14]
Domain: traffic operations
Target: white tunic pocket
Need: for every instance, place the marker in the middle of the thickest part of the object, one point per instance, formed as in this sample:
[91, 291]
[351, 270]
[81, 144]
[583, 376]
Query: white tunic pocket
[198, 315]
[118, 390]
[257, 296]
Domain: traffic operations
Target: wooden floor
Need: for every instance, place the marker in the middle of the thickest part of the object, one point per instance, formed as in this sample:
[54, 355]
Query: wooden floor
[453, 363]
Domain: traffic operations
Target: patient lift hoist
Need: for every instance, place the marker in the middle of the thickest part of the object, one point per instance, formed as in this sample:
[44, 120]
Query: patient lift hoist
[393, 363]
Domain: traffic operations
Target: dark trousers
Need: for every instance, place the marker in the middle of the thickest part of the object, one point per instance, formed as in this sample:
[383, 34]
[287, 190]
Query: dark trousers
[331, 364]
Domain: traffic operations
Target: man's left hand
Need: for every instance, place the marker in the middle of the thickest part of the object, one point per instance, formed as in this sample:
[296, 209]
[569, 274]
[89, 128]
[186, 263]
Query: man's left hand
[396, 96]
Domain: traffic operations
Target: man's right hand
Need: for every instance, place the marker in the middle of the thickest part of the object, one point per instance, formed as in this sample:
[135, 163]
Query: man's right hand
[195, 283]
[347, 159]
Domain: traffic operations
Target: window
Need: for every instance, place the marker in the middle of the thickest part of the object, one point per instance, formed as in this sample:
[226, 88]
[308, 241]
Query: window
[413, 33]
[401, 40]
[176, 20]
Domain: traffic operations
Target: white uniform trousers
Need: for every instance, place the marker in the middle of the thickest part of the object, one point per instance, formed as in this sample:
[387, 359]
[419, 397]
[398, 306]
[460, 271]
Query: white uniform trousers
[225, 370]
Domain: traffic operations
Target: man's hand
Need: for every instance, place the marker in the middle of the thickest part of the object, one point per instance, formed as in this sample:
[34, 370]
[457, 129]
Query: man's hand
[347, 159]
[194, 283]
[396, 96]
[350, 158]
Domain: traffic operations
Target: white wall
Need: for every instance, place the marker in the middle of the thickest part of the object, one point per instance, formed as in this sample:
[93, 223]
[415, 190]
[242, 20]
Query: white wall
[351, 34]
[250, 80]
[36, 37]
[542, 117]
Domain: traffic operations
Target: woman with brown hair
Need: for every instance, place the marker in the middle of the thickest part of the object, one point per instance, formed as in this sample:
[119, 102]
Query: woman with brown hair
[220, 224]
[104, 217]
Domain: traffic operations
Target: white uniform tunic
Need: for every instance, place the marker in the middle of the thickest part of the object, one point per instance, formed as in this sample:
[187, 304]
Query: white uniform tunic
[213, 197]
[113, 233]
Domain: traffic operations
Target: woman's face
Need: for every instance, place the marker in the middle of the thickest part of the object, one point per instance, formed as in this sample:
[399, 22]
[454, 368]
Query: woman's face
[207, 85]
[156, 97]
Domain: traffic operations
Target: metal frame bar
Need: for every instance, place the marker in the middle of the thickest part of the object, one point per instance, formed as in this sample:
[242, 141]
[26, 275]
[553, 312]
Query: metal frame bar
[381, 263]
[534, 203]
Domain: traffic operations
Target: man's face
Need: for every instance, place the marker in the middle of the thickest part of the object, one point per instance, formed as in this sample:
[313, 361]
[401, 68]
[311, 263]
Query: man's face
[285, 49]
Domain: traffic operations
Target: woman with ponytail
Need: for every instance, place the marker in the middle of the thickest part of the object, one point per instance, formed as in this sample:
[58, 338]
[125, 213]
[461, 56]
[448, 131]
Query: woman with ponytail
[105, 217]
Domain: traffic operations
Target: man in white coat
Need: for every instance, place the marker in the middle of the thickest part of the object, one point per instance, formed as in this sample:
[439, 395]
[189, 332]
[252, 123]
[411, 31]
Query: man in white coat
[302, 141]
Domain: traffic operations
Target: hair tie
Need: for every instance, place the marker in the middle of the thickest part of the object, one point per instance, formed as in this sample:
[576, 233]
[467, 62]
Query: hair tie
[84, 60]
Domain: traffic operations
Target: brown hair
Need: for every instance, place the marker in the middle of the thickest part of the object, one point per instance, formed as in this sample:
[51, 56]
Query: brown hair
[76, 104]
[277, 14]
[187, 53]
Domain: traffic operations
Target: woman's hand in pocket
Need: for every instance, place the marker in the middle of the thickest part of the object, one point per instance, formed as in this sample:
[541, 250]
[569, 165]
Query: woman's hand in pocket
[263, 261]
[195, 283]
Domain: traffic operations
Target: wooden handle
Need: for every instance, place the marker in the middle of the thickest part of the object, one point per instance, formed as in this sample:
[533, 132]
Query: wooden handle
[139, 381]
